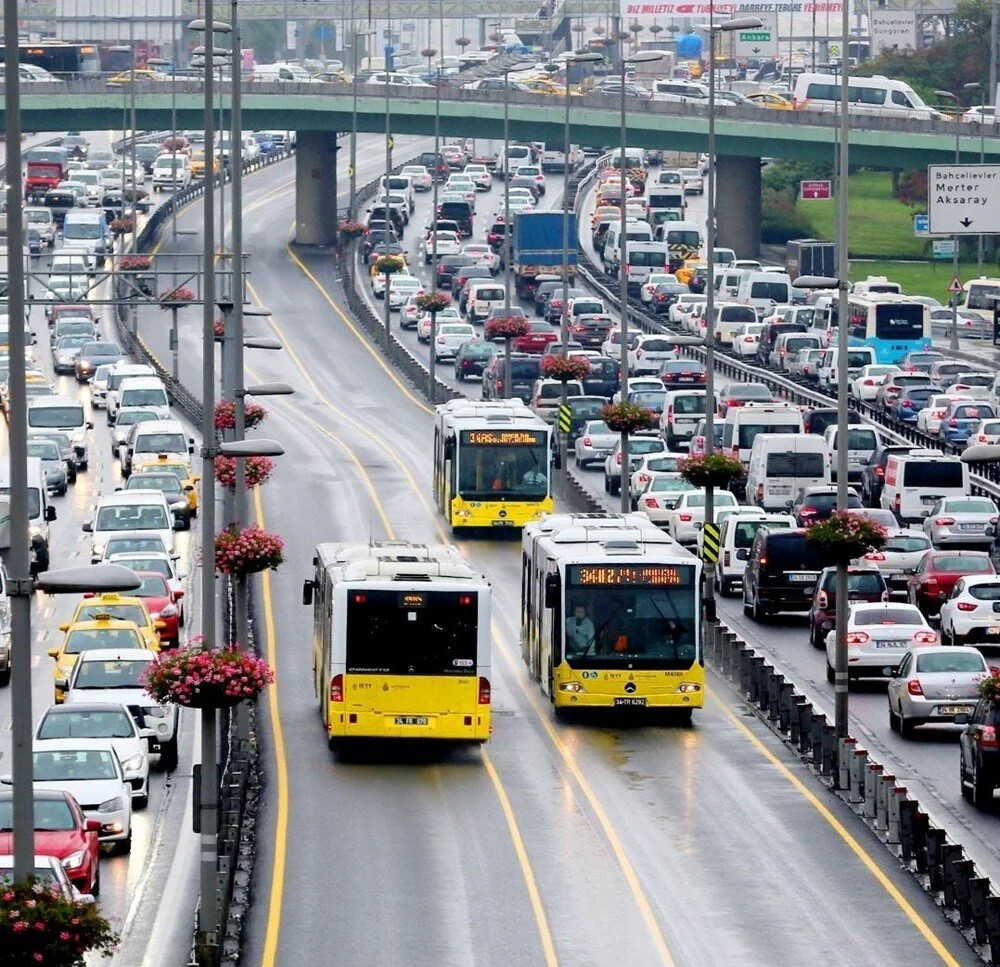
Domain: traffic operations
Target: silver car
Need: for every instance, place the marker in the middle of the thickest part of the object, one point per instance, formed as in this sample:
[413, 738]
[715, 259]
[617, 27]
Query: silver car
[961, 522]
[594, 444]
[66, 350]
[898, 557]
[53, 465]
[933, 685]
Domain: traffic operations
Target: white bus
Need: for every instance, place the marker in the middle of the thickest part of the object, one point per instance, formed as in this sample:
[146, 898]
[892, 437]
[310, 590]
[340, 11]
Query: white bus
[980, 296]
[876, 95]
[401, 642]
[611, 614]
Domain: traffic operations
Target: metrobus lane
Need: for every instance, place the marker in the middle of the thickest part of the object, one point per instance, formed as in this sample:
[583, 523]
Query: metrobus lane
[597, 808]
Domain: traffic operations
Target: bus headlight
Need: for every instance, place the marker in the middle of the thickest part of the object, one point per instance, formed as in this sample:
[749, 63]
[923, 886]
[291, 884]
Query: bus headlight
[570, 687]
[685, 688]
[464, 514]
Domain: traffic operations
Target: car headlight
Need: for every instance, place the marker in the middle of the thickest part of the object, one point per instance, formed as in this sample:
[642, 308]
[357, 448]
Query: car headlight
[155, 712]
[35, 530]
[133, 764]
[111, 805]
[78, 437]
[98, 550]
[74, 860]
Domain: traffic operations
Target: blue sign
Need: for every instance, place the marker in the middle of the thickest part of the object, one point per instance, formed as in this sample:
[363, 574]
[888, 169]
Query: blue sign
[324, 32]
[921, 225]
[689, 47]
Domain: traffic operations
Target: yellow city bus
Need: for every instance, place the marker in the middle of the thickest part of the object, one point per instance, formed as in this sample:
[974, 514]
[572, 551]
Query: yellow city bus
[401, 642]
[491, 463]
[611, 614]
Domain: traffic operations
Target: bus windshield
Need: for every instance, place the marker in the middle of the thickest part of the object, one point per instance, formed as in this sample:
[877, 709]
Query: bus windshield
[491, 466]
[902, 321]
[411, 632]
[616, 614]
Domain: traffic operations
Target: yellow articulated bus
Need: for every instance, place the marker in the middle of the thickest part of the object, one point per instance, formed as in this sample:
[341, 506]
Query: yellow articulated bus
[401, 642]
[491, 463]
[611, 614]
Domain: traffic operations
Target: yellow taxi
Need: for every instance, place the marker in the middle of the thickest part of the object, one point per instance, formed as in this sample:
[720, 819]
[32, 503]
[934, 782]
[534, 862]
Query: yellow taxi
[180, 468]
[102, 632]
[198, 164]
[600, 211]
[771, 101]
[121, 608]
[140, 74]
[686, 272]
[35, 384]
[541, 85]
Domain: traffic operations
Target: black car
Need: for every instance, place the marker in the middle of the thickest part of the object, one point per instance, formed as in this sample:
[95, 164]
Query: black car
[479, 273]
[524, 369]
[581, 410]
[818, 419]
[604, 377]
[377, 236]
[60, 203]
[496, 234]
[34, 241]
[457, 211]
[979, 752]
[699, 279]
[145, 155]
[544, 291]
[873, 473]
[380, 248]
[665, 295]
[591, 331]
[448, 265]
[435, 164]
[92, 355]
[781, 573]
[76, 146]
[814, 504]
[472, 358]
[770, 333]
[380, 213]
[683, 372]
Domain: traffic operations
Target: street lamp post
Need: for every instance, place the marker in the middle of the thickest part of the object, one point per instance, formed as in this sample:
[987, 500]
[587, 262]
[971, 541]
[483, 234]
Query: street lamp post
[640, 57]
[432, 362]
[978, 87]
[953, 339]
[163, 62]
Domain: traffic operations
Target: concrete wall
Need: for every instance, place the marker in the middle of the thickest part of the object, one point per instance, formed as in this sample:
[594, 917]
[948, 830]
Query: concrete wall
[315, 188]
[737, 204]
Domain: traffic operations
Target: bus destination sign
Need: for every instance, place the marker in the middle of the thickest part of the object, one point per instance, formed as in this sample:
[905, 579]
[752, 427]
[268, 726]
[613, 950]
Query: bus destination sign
[619, 575]
[504, 438]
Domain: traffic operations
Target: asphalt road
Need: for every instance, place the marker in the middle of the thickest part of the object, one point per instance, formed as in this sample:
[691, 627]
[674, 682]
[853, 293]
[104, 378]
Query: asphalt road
[575, 844]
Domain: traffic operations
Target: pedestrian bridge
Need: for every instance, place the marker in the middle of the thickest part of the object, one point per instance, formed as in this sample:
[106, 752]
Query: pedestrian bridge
[594, 119]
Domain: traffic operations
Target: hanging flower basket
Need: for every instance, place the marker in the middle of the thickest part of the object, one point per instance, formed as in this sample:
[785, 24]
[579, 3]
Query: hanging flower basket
[507, 327]
[225, 415]
[428, 52]
[352, 230]
[389, 264]
[38, 925]
[463, 42]
[433, 301]
[843, 537]
[496, 38]
[169, 298]
[200, 676]
[565, 368]
[173, 144]
[628, 417]
[989, 687]
[600, 30]
[122, 224]
[135, 263]
[711, 470]
[656, 29]
[247, 551]
[256, 471]
[219, 329]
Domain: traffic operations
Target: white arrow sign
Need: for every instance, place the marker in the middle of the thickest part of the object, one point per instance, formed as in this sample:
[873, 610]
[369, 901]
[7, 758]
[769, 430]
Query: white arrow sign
[760, 42]
[962, 199]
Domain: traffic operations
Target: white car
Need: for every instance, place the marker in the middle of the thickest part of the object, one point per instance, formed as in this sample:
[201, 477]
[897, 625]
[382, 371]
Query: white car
[647, 353]
[419, 176]
[929, 418]
[535, 173]
[164, 168]
[932, 686]
[480, 175]
[483, 254]
[878, 636]
[652, 466]
[447, 314]
[661, 496]
[91, 772]
[448, 243]
[804, 363]
[449, 337]
[684, 304]
[968, 616]
[648, 289]
[462, 185]
[401, 287]
[747, 339]
[988, 431]
[115, 675]
[102, 719]
[410, 313]
[684, 519]
[865, 385]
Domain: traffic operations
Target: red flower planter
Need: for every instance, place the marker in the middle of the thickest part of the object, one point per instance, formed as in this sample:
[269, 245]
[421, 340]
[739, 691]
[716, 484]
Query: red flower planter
[202, 677]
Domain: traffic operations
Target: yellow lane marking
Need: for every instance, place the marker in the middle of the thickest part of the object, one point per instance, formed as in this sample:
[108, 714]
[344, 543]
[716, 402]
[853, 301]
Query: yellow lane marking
[548, 947]
[281, 763]
[855, 847]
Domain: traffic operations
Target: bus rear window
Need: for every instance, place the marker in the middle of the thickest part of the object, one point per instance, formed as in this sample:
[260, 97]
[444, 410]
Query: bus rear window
[899, 321]
[936, 474]
[411, 633]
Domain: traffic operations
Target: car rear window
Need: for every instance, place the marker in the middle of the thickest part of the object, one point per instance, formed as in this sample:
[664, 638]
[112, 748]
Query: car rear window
[950, 660]
[886, 616]
[689, 404]
[985, 592]
[906, 544]
[656, 346]
[930, 473]
[639, 445]
[858, 358]
[861, 440]
[971, 506]
[973, 412]
[791, 552]
[749, 431]
[968, 565]
[524, 368]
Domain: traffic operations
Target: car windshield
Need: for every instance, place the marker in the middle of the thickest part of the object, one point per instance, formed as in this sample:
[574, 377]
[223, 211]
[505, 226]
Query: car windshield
[50, 814]
[69, 766]
[125, 612]
[132, 517]
[167, 483]
[128, 417]
[87, 231]
[70, 723]
[748, 392]
[161, 443]
[91, 638]
[153, 586]
[113, 673]
[886, 616]
[966, 565]
[55, 416]
[154, 396]
[491, 467]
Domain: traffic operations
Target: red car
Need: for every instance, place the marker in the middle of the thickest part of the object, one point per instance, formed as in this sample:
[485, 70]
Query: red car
[62, 831]
[538, 337]
[937, 573]
[162, 604]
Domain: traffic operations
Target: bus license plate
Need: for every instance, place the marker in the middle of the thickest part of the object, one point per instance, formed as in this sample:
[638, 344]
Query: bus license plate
[631, 702]
[411, 720]
[503, 523]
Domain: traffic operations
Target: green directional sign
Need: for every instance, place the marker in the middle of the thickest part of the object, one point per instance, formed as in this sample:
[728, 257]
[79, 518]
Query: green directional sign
[755, 36]
[758, 42]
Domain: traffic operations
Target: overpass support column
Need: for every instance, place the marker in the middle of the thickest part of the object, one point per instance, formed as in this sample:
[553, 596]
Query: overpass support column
[737, 204]
[315, 188]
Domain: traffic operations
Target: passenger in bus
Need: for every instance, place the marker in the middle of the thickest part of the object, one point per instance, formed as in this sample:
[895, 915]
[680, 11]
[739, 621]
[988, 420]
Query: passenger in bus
[579, 631]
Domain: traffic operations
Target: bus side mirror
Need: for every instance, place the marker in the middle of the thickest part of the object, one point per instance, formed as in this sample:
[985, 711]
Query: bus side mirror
[552, 591]
[307, 592]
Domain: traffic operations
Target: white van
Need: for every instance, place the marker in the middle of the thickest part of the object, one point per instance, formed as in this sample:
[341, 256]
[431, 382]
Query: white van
[876, 285]
[665, 197]
[736, 536]
[764, 291]
[782, 464]
[120, 372]
[744, 423]
[877, 95]
[857, 358]
[861, 444]
[679, 92]
[130, 510]
[916, 481]
[727, 282]
[283, 73]
[171, 169]
[683, 410]
[66, 414]
[509, 160]
[483, 297]
[40, 513]
[145, 392]
[642, 260]
[684, 241]
[730, 318]
[86, 233]
[635, 230]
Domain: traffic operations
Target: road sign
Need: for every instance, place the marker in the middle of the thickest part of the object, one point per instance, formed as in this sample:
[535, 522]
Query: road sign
[710, 543]
[962, 199]
[893, 30]
[811, 190]
[565, 418]
[955, 286]
[390, 142]
[761, 41]
[921, 226]
[943, 248]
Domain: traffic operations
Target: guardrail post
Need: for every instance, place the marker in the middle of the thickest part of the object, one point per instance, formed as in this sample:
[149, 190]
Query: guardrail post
[816, 738]
[745, 656]
[963, 872]
[805, 726]
[935, 858]
[716, 658]
[873, 771]
[736, 648]
[993, 927]
[882, 787]
[828, 763]
[845, 756]
[764, 673]
[774, 696]
[858, 767]
[795, 719]
[752, 688]
[786, 699]
[896, 797]
[951, 854]
[979, 890]
[907, 816]
[727, 654]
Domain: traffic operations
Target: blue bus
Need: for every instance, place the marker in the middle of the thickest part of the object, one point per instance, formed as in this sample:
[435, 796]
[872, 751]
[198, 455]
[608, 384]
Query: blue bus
[892, 325]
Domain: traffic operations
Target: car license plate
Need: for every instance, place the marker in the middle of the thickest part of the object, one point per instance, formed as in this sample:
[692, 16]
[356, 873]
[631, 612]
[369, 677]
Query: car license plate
[888, 644]
[954, 710]
[780, 490]
[411, 720]
[802, 578]
[928, 500]
[971, 527]
[993, 630]
[631, 702]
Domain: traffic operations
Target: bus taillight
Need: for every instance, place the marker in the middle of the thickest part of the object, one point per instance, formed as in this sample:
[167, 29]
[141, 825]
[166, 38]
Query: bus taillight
[337, 688]
[484, 691]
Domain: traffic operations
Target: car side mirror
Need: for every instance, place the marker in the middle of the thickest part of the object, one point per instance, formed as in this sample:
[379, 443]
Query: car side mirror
[90, 424]
[307, 592]
[87, 527]
[743, 554]
[93, 825]
[64, 626]
[179, 524]
[147, 733]
[62, 683]
[178, 595]
[159, 625]
[53, 653]
[50, 513]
